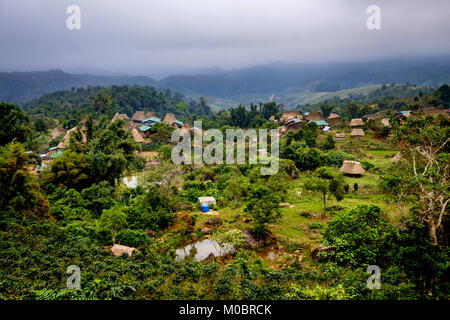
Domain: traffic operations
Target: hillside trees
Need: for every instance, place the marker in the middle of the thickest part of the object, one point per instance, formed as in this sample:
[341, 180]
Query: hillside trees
[443, 94]
[72, 105]
[357, 235]
[326, 109]
[12, 124]
[114, 220]
[110, 152]
[69, 170]
[262, 205]
[424, 169]
[328, 183]
[19, 189]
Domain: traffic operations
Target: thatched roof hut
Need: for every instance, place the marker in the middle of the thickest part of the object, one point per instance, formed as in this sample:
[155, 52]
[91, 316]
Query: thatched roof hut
[66, 140]
[141, 115]
[138, 116]
[352, 168]
[169, 119]
[137, 136]
[119, 249]
[120, 116]
[357, 122]
[357, 133]
[339, 136]
[334, 120]
[314, 115]
[289, 115]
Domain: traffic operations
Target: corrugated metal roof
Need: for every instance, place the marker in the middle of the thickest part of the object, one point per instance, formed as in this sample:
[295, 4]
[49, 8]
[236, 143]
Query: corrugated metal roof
[144, 128]
[320, 122]
[152, 120]
[56, 155]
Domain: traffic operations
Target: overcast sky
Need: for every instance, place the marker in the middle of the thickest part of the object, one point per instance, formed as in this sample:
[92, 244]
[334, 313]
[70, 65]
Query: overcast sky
[160, 37]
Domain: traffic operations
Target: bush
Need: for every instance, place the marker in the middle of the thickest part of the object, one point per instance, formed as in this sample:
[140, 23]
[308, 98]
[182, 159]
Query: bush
[358, 235]
[367, 165]
[132, 238]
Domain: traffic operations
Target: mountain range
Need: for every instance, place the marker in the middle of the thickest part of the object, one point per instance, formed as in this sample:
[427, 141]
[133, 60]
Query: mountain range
[284, 82]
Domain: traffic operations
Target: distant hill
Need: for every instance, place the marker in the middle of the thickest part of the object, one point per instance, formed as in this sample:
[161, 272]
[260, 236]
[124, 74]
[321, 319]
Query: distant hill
[289, 83]
[20, 87]
[76, 103]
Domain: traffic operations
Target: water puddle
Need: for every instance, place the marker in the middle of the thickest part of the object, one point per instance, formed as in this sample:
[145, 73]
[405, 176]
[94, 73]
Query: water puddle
[200, 250]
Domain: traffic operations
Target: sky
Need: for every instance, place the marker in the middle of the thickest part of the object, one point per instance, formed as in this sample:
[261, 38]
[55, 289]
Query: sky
[161, 37]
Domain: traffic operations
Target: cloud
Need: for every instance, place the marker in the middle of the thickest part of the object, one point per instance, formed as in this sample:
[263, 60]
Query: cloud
[157, 37]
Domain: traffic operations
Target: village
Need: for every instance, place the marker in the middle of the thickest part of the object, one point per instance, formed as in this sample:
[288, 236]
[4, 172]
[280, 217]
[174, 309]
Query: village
[142, 125]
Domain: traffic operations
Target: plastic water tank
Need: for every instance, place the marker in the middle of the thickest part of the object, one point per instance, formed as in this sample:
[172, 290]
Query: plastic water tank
[205, 208]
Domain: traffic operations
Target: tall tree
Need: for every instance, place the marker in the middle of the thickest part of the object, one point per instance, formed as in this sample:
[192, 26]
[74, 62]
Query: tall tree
[328, 183]
[263, 205]
[19, 189]
[326, 109]
[423, 171]
[12, 124]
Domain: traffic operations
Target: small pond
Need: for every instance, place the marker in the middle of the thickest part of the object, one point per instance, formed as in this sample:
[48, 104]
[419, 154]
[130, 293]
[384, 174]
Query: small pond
[201, 249]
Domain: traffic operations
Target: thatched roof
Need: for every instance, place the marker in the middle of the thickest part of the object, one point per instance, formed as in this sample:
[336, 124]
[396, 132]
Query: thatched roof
[286, 116]
[138, 116]
[339, 135]
[314, 115]
[352, 168]
[334, 120]
[356, 122]
[396, 158]
[385, 122]
[169, 118]
[66, 140]
[357, 133]
[120, 116]
[137, 136]
[333, 116]
[119, 249]
[150, 114]
[141, 115]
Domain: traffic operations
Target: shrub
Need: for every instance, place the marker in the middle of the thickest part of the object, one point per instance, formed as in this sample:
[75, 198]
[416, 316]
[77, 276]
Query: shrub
[132, 238]
[358, 235]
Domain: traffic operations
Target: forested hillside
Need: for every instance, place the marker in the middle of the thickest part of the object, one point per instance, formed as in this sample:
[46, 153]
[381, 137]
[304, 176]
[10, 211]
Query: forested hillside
[19, 87]
[73, 104]
[309, 231]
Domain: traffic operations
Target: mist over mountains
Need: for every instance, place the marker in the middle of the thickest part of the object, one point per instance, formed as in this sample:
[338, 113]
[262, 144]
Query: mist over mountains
[244, 85]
